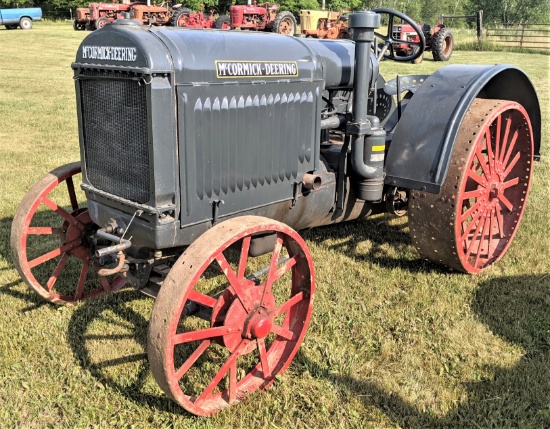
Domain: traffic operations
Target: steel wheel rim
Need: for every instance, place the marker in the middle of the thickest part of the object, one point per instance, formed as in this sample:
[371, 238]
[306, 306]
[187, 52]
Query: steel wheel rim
[77, 219]
[460, 226]
[276, 356]
[501, 174]
[286, 26]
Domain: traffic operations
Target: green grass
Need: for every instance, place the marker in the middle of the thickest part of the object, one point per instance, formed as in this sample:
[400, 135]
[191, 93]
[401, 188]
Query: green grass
[394, 341]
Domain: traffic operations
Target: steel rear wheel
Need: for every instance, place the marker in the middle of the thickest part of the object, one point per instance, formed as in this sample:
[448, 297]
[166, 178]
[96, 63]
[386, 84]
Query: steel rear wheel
[51, 244]
[225, 323]
[471, 224]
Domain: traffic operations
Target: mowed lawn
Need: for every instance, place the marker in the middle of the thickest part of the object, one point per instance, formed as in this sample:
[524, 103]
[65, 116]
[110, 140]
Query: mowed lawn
[394, 341]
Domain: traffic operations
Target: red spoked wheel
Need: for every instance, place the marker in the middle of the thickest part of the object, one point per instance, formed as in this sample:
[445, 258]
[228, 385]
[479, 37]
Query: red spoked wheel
[472, 222]
[51, 241]
[225, 323]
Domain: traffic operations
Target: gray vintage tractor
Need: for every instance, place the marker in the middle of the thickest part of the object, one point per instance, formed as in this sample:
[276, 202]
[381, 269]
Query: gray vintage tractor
[200, 161]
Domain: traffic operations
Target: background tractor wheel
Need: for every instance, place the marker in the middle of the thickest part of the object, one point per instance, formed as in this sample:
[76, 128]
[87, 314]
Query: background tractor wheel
[181, 17]
[285, 23]
[101, 22]
[442, 45]
[472, 222]
[223, 23]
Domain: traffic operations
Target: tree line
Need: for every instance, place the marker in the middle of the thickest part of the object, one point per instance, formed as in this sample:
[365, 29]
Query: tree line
[423, 11]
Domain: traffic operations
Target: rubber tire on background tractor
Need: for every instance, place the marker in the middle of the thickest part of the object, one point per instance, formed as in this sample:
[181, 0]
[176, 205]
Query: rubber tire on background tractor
[225, 322]
[101, 22]
[178, 20]
[472, 222]
[223, 23]
[25, 23]
[285, 23]
[443, 45]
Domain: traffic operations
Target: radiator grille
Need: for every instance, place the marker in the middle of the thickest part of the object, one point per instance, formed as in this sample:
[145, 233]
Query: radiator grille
[114, 116]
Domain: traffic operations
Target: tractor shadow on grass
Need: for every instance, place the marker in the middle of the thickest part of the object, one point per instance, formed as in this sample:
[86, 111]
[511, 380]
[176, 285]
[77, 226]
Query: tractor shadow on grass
[516, 309]
[108, 337]
[387, 242]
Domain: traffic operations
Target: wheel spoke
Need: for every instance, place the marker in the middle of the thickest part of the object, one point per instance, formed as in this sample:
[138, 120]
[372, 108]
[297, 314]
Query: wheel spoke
[192, 359]
[203, 334]
[483, 162]
[72, 193]
[233, 382]
[272, 273]
[502, 198]
[497, 140]
[62, 212]
[288, 304]
[469, 212]
[221, 373]
[511, 148]
[475, 240]
[43, 230]
[505, 139]
[202, 299]
[287, 334]
[82, 279]
[472, 174]
[263, 358]
[471, 226]
[490, 156]
[510, 183]
[60, 265]
[54, 253]
[511, 165]
[232, 278]
[483, 231]
[500, 221]
[244, 257]
[471, 194]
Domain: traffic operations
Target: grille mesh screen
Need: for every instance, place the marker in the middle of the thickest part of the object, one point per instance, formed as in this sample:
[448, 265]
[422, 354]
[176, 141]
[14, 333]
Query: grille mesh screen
[114, 114]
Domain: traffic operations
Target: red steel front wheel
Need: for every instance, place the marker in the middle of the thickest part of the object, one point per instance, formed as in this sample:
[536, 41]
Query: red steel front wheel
[472, 222]
[225, 323]
[51, 241]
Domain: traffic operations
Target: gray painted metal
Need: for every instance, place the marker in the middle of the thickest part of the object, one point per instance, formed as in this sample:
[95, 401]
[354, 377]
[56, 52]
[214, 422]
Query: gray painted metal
[419, 154]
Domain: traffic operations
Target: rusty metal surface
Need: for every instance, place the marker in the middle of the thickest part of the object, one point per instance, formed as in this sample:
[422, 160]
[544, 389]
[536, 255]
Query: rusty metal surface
[472, 222]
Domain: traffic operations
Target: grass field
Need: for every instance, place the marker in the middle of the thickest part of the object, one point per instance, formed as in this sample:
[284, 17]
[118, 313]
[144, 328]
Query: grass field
[394, 341]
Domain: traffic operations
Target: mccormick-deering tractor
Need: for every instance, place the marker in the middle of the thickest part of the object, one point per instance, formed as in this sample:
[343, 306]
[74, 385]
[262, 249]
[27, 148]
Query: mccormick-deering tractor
[262, 18]
[201, 161]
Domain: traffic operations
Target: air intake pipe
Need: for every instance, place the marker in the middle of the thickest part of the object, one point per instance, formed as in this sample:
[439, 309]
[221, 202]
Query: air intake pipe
[367, 138]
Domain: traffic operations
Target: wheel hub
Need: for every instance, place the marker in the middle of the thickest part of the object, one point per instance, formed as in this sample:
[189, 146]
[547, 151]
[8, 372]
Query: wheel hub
[244, 324]
[73, 233]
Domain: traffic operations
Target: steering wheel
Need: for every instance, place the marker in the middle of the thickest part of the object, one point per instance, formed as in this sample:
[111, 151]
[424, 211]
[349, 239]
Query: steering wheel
[392, 41]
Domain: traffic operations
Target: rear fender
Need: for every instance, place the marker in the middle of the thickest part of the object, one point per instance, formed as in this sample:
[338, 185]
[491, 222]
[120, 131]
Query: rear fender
[421, 147]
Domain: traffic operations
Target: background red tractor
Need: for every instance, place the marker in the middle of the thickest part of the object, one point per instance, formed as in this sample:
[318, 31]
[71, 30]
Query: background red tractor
[185, 17]
[439, 40]
[262, 18]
